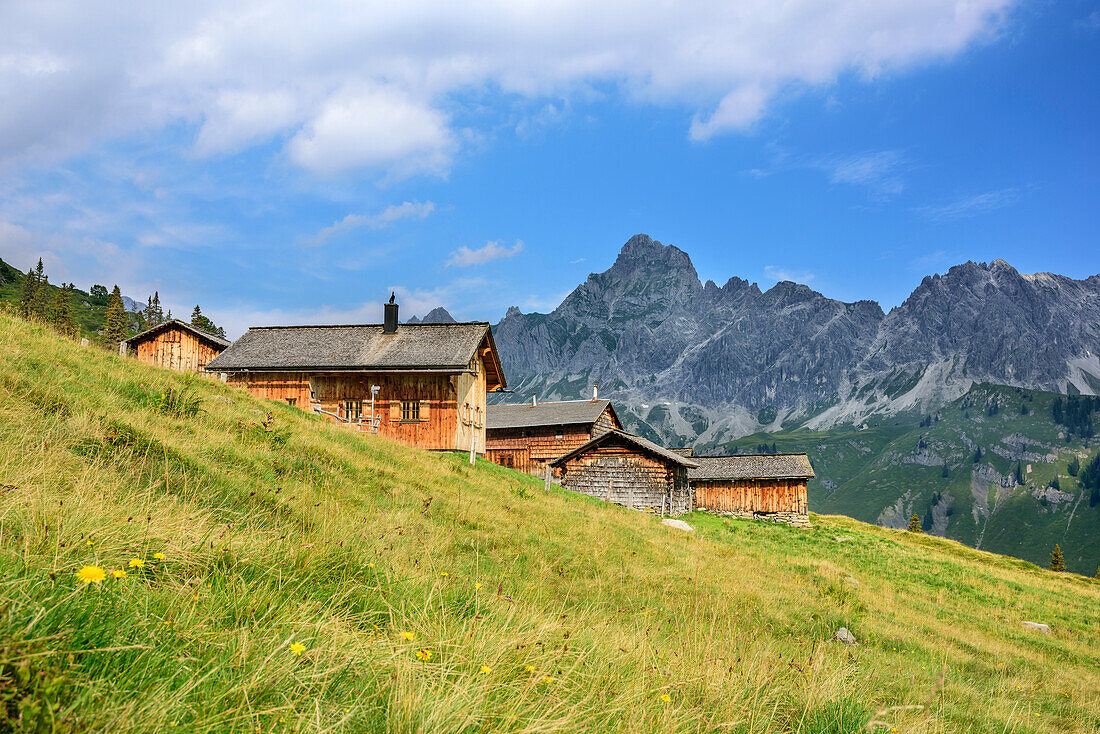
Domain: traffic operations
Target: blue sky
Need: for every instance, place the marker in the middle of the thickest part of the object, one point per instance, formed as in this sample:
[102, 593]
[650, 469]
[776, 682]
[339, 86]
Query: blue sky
[286, 166]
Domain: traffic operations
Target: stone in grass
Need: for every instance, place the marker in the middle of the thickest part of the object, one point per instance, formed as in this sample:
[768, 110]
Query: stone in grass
[842, 538]
[1038, 627]
[846, 637]
[678, 524]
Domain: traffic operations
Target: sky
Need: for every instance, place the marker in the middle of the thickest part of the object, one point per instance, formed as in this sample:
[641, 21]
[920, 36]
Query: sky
[281, 163]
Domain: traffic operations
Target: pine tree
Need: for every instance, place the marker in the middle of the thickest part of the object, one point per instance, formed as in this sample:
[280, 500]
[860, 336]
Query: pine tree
[1057, 562]
[1074, 466]
[153, 315]
[30, 289]
[42, 301]
[199, 321]
[945, 472]
[117, 323]
[914, 524]
[977, 454]
[62, 312]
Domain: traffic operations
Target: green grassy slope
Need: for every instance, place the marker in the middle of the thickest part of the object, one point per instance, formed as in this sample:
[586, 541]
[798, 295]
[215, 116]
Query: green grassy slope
[886, 472]
[283, 559]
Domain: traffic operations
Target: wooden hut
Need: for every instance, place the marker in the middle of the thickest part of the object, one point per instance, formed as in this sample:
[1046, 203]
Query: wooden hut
[628, 470]
[528, 436]
[421, 384]
[176, 345]
[758, 487]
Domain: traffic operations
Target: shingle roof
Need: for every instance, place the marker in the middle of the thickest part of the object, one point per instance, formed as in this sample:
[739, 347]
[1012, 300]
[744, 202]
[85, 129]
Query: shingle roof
[562, 413]
[220, 341]
[752, 466]
[361, 347]
[644, 444]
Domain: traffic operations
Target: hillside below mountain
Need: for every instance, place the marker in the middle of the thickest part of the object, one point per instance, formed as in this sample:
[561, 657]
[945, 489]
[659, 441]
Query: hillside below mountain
[179, 555]
[698, 362]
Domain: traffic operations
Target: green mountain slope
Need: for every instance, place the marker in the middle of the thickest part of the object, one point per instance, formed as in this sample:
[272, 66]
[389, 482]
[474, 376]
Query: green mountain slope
[89, 311]
[886, 472]
[282, 574]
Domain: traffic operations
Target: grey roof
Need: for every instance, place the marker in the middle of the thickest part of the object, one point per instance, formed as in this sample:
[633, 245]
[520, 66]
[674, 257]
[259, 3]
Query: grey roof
[220, 341]
[688, 451]
[562, 413]
[642, 443]
[752, 466]
[361, 347]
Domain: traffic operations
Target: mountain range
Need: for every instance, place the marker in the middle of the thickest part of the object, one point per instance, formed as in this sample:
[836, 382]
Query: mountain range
[701, 363]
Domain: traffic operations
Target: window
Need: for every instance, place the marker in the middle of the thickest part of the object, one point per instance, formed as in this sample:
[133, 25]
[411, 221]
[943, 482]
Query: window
[507, 460]
[353, 410]
[292, 402]
[410, 411]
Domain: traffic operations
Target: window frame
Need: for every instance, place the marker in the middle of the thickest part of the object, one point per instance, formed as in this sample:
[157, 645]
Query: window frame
[410, 411]
[348, 409]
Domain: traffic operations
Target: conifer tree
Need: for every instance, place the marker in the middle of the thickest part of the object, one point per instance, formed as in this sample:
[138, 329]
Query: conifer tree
[946, 472]
[117, 323]
[914, 524]
[62, 313]
[42, 301]
[199, 321]
[1057, 562]
[1074, 466]
[153, 315]
[977, 454]
[26, 297]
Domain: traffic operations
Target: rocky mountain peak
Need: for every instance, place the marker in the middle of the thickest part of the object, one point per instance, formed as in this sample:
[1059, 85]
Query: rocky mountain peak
[437, 315]
[642, 253]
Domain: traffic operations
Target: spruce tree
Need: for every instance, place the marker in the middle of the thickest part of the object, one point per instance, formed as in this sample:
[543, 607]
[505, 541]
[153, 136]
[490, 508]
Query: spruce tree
[945, 472]
[1074, 466]
[30, 289]
[117, 323]
[153, 315]
[62, 312]
[199, 321]
[42, 300]
[914, 524]
[1057, 562]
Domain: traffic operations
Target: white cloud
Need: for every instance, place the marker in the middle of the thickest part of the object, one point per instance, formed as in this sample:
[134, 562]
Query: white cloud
[878, 170]
[493, 250]
[778, 274]
[377, 86]
[388, 216]
[971, 206]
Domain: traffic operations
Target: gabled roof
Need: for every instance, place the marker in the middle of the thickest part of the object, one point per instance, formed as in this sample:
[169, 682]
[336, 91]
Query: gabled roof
[149, 333]
[561, 413]
[752, 466]
[429, 347]
[629, 438]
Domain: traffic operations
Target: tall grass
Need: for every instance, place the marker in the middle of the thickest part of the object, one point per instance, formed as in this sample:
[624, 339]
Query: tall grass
[298, 558]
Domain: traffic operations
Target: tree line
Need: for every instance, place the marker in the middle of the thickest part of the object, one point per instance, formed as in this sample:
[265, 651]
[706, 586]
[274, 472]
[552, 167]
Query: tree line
[55, 305]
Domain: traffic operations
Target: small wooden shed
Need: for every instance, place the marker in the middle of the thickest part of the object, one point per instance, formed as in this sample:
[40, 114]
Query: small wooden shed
[528, 436]
[629, 470]
[176, 345]
[757, 487]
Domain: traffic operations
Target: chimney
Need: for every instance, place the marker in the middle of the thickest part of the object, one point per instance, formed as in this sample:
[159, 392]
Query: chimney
[595, 389]
[389, 322]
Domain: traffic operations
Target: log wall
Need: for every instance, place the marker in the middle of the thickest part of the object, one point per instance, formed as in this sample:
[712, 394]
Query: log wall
[630, 477]
[771, 499]
[176, 349]
[445, 422]
[531, 449]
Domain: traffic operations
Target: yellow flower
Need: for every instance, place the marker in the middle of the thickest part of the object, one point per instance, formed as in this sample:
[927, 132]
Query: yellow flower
[423, 654]
[406, 635]
[118, 573]
[370, 565]
[91, 574]
[547, 679]
[486, 669]
[477, 585]
[665, 697]
[297, 648]
[159, 556]
[445, 574]
[137, 563]
[529, 668]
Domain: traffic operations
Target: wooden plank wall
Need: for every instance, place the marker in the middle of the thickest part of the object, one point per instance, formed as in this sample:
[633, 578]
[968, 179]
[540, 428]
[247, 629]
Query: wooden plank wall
[756, 495]
[176, 349]
[631, 478]
[531, 449]
[440, 427]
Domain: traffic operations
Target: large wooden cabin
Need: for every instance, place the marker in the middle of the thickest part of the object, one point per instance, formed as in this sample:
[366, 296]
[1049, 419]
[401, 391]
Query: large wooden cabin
[528, 436]
[176, 345]
[421, 384]
[628, 470]
[758, 487]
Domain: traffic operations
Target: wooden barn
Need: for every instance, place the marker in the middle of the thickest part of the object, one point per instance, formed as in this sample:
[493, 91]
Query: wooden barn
[758, 487]
[528, 436]
[421, 384]
[176, 345]
[628, 470]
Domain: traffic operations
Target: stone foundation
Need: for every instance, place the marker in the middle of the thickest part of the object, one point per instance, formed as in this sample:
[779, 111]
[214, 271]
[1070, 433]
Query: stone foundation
[787, 518]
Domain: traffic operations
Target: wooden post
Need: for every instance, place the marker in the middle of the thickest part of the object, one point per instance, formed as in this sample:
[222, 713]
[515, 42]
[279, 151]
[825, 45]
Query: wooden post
[473, 447]
[546, 486]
